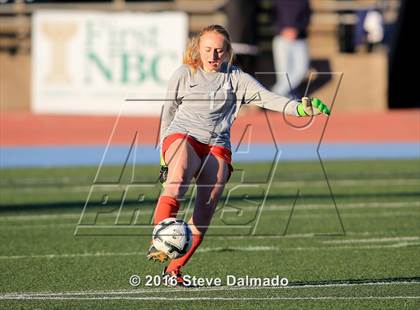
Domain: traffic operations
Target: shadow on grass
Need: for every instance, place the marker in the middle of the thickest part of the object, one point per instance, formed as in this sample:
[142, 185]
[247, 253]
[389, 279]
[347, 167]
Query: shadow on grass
[149, 203]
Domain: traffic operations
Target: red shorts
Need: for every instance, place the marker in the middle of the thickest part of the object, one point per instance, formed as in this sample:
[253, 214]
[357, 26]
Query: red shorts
[201, 149]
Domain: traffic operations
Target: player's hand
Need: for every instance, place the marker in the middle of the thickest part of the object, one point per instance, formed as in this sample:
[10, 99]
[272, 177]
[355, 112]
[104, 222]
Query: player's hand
[312, 106]
[163, 173]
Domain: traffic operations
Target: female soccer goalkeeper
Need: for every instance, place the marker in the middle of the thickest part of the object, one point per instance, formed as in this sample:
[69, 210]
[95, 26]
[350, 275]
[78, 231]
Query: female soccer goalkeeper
[203, 99]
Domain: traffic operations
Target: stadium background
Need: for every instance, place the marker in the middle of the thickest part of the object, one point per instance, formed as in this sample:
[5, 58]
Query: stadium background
[49, 159]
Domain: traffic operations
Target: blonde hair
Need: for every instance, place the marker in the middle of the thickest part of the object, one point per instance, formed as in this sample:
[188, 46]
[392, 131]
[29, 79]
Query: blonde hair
[192, 52]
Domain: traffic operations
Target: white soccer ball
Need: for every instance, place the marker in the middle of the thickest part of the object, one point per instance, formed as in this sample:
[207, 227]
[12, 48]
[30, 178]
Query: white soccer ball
[173, 237]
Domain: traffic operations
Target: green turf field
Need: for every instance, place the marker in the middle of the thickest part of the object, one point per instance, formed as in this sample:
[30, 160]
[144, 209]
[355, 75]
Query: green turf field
[352, 241]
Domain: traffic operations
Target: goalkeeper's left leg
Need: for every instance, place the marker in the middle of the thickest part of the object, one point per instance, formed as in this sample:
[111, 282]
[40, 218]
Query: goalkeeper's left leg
[210, 185]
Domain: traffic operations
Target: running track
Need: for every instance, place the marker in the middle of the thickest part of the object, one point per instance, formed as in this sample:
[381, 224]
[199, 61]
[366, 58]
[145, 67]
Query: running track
[46, 140]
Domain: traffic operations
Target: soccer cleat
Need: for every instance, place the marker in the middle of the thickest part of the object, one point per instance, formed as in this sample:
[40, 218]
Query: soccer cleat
[176, 274]
[156, 255]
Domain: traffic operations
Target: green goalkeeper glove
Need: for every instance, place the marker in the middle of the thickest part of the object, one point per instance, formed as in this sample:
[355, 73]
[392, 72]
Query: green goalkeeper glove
[163, 173]
[312, 106]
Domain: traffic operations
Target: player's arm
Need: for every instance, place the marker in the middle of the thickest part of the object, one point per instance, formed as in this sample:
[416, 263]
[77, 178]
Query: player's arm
[256, 94]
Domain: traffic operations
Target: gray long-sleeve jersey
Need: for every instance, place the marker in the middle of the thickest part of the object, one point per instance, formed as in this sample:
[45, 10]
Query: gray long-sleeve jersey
[205, 104]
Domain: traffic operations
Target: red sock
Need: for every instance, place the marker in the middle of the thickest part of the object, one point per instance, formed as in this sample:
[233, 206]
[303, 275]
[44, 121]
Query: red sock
[176, 264]
[166, 207]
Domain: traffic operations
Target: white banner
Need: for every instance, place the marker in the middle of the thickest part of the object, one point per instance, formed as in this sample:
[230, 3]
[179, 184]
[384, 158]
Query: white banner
[90, 62]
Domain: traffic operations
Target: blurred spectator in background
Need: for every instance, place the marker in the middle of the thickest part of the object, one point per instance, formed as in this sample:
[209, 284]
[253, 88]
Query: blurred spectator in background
[242, 26]
[374, 27]
[290, 49]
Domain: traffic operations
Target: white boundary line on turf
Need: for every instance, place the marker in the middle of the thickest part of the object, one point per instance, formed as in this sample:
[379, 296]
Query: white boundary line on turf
[214, 249]
[299, 236]
[26, 217]
[346, 182]
[32, 226]
[364, 205]
[313, 248]
[371, 240]
[197, 289]
[297, 216]
[353, 214]
[33, 184]
[151, 298]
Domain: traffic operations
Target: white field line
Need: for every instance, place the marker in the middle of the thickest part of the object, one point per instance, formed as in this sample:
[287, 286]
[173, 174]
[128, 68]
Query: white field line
[353, 215]
[71, 255]
[359, 247]
[214, 249]
[283, 249]
[53, 185]
[274, 298]
[298, 236]
[279, 236]
[371, 240]
[365, 205]
[345, 183]
[296, 216]
[139, 291]
[32, 226]
[267, 208]
[51, 189]
[23, 217]
[45, 180]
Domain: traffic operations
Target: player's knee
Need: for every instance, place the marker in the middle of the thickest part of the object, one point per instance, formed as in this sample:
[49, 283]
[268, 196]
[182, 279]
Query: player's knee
[176, 189]
[201, 224]
[197, 230]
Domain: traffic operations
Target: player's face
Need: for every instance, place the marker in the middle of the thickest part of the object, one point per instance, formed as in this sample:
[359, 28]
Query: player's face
[212, 51]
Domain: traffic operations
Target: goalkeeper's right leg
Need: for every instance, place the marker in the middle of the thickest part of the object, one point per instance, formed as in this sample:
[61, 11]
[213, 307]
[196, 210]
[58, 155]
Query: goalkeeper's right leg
[183, 164]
